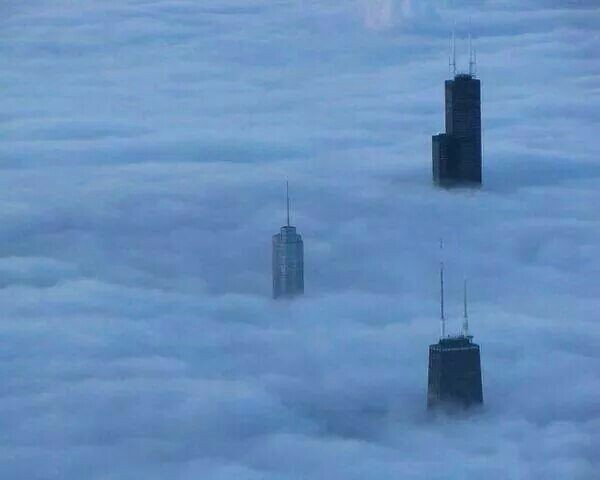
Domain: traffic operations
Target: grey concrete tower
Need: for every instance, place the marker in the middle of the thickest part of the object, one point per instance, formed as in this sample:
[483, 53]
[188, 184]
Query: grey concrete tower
[288, 259]
[457, 154]
[454, 378]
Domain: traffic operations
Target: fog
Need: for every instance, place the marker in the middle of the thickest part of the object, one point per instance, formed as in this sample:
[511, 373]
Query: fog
[144, 150]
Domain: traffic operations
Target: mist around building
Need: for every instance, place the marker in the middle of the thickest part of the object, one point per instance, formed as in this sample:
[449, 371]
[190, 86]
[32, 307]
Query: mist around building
[145, 148]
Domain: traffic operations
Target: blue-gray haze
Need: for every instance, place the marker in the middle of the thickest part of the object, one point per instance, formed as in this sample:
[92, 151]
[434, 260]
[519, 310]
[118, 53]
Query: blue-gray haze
[144, 147]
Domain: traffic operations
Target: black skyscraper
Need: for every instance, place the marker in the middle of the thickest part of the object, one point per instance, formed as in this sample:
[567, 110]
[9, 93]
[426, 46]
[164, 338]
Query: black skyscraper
[456, 155]
[454, 368]
[288, 261]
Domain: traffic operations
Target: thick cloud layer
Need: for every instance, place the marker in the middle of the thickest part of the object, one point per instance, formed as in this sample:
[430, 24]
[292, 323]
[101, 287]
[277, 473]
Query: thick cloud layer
[144, 150]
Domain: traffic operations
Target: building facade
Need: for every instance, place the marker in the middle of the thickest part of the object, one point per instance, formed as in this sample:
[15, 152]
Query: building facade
[288, 263]
[444, 162]
[454, 373]
[457, 154]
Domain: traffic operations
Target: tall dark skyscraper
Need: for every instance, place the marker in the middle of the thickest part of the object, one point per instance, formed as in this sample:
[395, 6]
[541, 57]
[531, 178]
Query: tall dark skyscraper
[456, 154]
[288, 260]
[454, 366]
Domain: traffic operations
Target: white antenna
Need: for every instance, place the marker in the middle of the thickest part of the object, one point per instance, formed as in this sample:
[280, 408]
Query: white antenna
[452, 60]
[465, 325]
[471, 61]
[442, 318]
[287, 196]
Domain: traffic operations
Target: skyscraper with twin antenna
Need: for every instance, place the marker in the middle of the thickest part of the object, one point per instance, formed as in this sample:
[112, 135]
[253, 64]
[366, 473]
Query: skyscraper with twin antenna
[454, 378]
[288, 259]
[457, 153]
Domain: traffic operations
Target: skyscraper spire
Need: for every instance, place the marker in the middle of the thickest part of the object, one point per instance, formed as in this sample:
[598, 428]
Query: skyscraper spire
[465, 325]
[452, 59]
[288, 257]
[287, 196]
[471, 58]
[442, 318]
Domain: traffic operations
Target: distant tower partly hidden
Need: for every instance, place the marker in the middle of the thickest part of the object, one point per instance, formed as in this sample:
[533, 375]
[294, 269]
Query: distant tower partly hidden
[454, 364]
[288, 259]
[456, 154]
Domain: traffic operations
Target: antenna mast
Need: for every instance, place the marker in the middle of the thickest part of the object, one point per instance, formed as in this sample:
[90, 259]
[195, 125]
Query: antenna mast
[465, 325]
[287, 197]
[452, 59]
[471, 58]
[442, 319]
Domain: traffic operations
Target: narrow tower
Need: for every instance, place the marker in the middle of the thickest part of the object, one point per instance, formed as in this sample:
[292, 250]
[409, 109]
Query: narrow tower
[465, 325]
[442, 318]
[457, 153]
[454, 367]
[288, 259]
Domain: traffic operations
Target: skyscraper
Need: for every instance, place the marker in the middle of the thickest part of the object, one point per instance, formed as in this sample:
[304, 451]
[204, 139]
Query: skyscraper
[456, 154]
[454, 378]
[288, 259]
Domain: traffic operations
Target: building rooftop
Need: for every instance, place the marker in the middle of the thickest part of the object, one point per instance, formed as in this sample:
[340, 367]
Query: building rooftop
[455, 342]
[464, 76]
